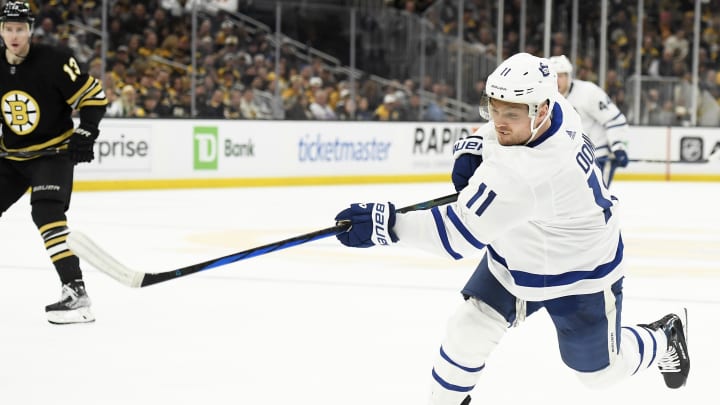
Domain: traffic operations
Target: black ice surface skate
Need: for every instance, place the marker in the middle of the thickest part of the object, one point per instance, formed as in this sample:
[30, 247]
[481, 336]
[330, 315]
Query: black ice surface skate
[73, 307]
[675, 364]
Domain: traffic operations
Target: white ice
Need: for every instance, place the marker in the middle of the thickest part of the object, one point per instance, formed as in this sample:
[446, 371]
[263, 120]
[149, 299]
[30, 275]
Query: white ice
[318, 323]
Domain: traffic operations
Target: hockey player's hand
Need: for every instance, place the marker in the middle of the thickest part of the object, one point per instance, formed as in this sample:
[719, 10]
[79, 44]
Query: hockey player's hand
[81, 143]
[468, 156]
[370, 224]
[621, 158]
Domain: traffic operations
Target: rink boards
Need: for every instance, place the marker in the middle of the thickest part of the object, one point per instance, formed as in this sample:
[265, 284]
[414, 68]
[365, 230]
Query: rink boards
[154, 153]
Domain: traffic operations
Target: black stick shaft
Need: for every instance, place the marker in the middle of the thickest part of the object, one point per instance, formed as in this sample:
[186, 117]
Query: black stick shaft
[667, 161]
[154, 278]
[29, 154]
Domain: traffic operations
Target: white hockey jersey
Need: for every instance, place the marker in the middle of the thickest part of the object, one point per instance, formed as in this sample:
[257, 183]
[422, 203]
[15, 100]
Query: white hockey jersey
[602, 120]
[549, 224]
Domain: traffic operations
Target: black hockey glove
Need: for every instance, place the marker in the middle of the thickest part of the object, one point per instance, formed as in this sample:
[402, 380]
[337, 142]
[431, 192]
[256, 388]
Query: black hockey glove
[81, 143]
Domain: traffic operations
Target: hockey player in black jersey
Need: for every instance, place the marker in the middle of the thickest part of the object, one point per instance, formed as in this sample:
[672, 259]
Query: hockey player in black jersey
[40, 86]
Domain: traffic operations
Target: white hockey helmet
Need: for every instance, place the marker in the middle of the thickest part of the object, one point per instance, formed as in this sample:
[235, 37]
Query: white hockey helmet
[561, 64]
[523, 79]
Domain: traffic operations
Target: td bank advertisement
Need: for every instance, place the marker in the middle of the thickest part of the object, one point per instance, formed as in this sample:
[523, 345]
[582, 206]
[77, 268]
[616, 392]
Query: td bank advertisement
[158, 149]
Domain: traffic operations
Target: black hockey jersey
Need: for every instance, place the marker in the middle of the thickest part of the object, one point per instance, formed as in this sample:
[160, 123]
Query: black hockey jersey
[38, 95]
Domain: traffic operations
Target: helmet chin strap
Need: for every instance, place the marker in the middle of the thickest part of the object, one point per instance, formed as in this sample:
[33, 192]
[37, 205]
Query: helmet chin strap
[534, 130]
[20, 57]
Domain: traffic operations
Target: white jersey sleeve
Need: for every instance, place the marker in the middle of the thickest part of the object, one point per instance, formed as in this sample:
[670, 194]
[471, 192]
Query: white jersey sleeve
[602, 120]
[540, 212]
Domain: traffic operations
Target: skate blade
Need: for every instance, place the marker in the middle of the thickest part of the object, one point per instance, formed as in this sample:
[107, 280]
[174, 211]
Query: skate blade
[80, 315]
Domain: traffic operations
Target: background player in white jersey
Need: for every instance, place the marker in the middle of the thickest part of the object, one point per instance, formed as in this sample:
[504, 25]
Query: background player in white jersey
[602, 121]
[535, 208]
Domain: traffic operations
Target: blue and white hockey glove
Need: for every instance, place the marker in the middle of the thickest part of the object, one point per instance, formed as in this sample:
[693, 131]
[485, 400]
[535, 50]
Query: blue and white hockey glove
[620, 158]
[468, 157]
[370, 224]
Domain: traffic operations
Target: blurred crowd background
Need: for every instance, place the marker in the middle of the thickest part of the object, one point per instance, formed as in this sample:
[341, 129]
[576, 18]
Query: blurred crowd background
[390, 60]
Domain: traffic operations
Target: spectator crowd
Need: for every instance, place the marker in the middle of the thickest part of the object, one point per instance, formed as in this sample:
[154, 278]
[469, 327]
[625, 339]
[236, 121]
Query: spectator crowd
[148, 61]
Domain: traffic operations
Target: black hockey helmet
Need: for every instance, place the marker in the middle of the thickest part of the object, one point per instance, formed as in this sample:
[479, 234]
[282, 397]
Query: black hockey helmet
[17, 11]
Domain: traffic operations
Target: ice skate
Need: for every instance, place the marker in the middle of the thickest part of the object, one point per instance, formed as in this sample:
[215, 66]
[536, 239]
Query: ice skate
[73, 307]
[675, 364]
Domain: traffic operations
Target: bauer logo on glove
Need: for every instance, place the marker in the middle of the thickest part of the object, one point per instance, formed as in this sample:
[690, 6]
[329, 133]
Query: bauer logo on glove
[380, 224]
[370, 224]
[468, 157]
[83, 132]
[471, 144]
[82, 142]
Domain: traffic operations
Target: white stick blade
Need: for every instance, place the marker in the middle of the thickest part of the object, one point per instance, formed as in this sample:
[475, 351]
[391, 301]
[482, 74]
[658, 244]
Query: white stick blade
[86, 249]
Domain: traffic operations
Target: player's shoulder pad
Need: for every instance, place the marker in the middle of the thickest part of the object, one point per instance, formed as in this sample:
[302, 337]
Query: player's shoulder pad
[587, 88]
[570, 115]
[52, 54]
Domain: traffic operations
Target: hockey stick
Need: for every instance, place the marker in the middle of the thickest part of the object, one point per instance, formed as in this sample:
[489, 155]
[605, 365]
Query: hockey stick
[88, 250]
[667, 161]
[31, 154]
[714, 157]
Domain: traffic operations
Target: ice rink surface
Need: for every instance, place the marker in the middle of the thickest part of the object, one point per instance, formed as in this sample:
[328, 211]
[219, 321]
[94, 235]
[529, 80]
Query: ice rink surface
[319, 323]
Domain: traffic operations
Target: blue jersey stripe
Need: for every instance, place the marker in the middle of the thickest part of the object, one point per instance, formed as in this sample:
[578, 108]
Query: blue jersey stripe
[525, 279]
[613, 119]
[494, 254]
[457, 223]
[442, 232]
[616, 125]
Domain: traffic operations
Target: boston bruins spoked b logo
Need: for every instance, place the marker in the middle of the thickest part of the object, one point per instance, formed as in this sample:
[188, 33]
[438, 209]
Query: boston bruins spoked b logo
[20, 112]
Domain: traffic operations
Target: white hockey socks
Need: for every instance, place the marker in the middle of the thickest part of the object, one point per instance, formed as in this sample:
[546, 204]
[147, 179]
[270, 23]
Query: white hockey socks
[472, 333]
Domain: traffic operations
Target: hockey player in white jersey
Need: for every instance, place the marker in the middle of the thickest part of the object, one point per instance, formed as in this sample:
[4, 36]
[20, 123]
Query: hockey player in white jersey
[602, 121]
[534, 207]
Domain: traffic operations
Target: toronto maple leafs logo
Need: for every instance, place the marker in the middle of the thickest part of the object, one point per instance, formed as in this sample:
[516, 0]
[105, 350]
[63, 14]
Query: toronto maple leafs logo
[544, 69]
